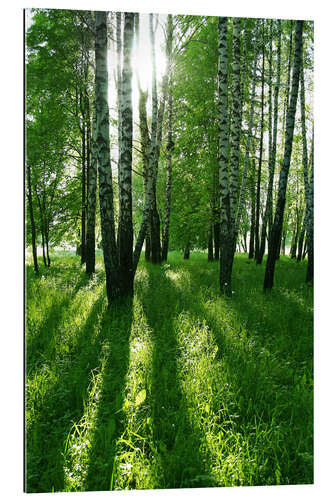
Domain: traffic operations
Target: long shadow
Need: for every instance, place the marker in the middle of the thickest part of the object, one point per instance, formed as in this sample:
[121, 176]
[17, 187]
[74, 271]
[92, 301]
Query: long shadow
[39, 343]
[110, 419]
[61, 404]
[254, 376]
[181, 464]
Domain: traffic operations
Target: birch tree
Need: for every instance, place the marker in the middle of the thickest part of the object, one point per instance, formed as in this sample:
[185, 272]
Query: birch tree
[170, 144]
[151, 159]
[275, 237]
[272, 151]
[104, 161]
[125, 231]
[32, 220]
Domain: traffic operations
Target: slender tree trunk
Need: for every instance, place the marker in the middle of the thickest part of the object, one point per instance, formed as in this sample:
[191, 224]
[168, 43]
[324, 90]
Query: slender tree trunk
[279, 211]
[236, 123]
[91, 212]
[308, 185]
[187, 251]
[47, 248]
[309, 272]
[125, 241]
[301, 240]
[248, 140]
[119, 94]
[293, 246]
[253, 217]
[272, 152]
[155, 227]
[83, 185]
[32, 220]
[210, 244]
[103, 155]
[216, 238]
[225, 276]
[305, 249]
[43, 246]
[152, 152]
[257, 240]
[165, 236]
[283, 243]
[145, 141]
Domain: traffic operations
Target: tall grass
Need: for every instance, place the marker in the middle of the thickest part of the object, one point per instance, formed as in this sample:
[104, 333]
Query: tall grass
[176, 387]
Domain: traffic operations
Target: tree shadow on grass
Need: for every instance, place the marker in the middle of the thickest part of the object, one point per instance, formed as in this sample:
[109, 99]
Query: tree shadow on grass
[61, 402]
[109, 421]
[265, 342]
[181, 464]
[39, 342]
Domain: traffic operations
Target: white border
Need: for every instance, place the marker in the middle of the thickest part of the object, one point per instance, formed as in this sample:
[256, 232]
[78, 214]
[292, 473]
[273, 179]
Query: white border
[11, 210]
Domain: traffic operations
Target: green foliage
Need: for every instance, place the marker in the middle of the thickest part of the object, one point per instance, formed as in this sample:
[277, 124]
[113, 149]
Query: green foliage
[55, 80]
[177, 387]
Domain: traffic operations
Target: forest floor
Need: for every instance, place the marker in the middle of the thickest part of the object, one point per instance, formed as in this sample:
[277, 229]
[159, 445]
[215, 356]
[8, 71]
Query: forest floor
[176, 387]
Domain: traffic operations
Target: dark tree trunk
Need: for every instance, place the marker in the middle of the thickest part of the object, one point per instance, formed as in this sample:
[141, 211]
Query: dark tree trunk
[210, 244]
[43, 246]
[151, 161]
[155, 227]
[187, 251]
[280, 206]
[32, 220]
[305, 249]
[293, 246]
[309, 272]
[155, 234]
[301, 240]
[216, 241]
[148, 245]
[267, 219]
[47, 249]
[253, 219]
[282, 246]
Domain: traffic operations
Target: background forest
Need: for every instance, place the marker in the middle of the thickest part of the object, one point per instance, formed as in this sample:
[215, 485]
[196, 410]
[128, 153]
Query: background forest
[169, 251]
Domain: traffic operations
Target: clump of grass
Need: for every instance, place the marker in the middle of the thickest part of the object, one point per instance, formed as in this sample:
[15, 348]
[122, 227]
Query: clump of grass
[175, 387]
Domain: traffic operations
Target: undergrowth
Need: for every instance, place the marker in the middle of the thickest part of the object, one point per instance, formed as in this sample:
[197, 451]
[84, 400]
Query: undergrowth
[176, 387]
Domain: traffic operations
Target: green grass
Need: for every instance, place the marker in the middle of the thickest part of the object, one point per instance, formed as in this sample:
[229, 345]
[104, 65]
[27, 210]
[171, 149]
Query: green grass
[176, 387]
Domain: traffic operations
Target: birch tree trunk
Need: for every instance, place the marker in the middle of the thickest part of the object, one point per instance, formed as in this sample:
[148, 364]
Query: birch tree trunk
[125, 232]
[91, 211]
[83, 195]
[145, 141]
[301, 240]
[280, 206]
[272, 154]
[257, 240]
[155, 225]
[104, 163]
[248, 141]
[308, 184]
[253, 214]
[147, 207]
[165, 236]
[236, 122]
[210, 244]
[32, 220]
[225, 257]
[309, 272]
